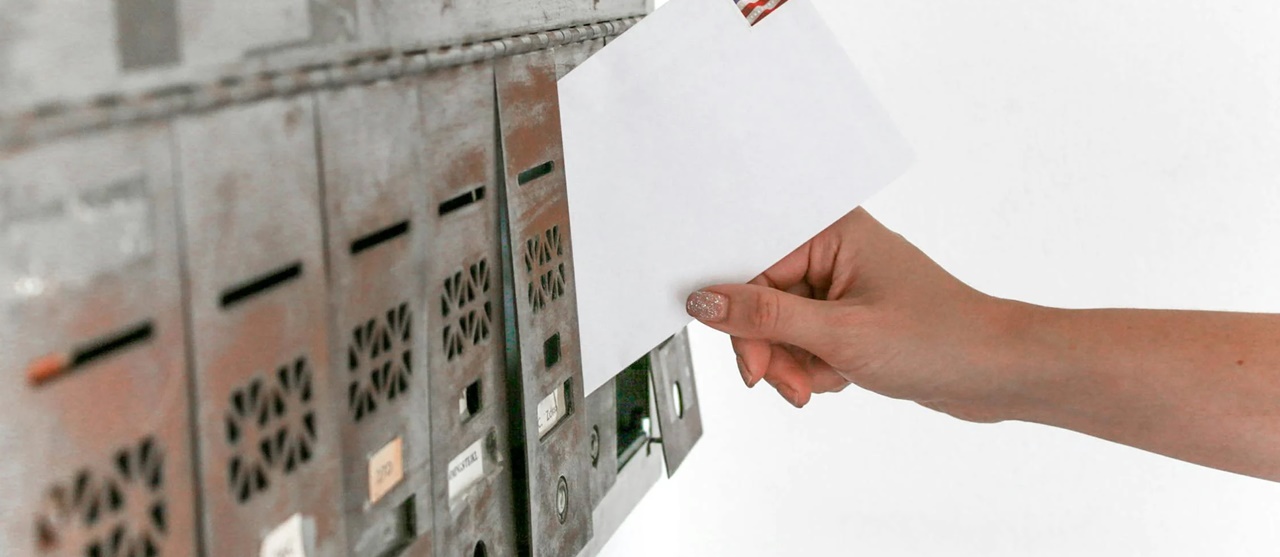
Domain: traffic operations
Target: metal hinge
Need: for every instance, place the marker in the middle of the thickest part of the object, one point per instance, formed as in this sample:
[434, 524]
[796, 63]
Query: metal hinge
[111, 110]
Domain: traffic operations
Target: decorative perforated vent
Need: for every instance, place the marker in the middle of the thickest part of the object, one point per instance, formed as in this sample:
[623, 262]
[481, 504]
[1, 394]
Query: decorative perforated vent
[380, 361]
[544, 260]
[466, 308]
[116, 510]
[271, 427]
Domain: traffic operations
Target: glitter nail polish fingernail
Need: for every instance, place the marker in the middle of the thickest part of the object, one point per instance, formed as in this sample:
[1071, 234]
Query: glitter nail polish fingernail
[708, 306]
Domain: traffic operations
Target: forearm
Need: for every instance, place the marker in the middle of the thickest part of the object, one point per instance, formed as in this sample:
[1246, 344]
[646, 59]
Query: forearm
[1198, 386]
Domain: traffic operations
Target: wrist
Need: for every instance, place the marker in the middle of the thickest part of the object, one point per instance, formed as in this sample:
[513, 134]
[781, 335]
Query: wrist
[1037, 368]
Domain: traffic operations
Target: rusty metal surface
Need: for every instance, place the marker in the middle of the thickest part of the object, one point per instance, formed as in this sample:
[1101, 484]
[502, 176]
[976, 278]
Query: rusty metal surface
[464, 318]
[102, 82]
[302, 177]
[679, 415]
[267, 431]
[545, 304]
[93, 413]
[376, 212]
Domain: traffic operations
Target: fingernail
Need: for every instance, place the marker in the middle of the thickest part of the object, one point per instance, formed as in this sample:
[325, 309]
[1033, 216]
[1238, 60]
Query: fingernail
[789, 394]
[708, 306]
[746, 374]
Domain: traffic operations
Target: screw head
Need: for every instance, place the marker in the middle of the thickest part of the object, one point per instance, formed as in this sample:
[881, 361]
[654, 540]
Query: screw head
[562, 499]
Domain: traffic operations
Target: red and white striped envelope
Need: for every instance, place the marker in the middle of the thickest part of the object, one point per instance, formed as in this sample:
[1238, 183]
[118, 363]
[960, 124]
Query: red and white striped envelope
[756, 10]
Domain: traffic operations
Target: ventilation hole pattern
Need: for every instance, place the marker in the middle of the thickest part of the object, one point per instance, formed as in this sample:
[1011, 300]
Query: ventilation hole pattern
[117, 510]
[466, 308]
[544, 260]
[380, 361]
[271, 428]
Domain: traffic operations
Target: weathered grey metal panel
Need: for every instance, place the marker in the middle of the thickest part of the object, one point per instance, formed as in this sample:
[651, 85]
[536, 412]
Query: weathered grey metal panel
[679, 415]
[549, 358]
[613, 9]
[376, 212]
[94, 409]
[448, 22]
[602, 440]
[248, 35]
[59, 50]
[469, 399]
[268, 436]
[570, 56]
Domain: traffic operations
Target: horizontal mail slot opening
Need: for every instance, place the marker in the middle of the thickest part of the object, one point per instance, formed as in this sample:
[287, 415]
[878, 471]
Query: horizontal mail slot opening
[462, 201]
[632, 392]
[375, 239]
[260, 285]
[536, 172]
[51, 367]
[555, 408]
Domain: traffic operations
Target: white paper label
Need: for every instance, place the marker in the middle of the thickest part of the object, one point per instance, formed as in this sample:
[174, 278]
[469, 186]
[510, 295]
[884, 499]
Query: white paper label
[386, 469]
[550, 410]
[286, 540]
[466, 468]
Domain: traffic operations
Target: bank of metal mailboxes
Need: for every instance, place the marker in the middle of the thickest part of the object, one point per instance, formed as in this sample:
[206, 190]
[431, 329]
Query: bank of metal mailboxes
[295, 279]
[95, 405]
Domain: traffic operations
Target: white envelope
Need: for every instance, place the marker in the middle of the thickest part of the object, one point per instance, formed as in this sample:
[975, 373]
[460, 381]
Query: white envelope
[701, 150]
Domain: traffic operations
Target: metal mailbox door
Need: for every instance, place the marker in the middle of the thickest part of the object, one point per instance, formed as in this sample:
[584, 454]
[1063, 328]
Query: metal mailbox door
[470, 414]
[602, 440]
[676, 395]
[95, 397]
[547, 360]
[268, 432]
[376, 212]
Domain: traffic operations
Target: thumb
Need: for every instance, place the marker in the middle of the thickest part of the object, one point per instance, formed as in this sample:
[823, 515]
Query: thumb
[761, 313]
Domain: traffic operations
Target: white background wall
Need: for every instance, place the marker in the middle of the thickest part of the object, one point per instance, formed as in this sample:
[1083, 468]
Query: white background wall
[1089, 153]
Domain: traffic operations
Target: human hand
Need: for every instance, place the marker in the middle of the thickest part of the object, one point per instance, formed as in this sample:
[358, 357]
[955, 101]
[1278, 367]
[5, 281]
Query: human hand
[860, 304]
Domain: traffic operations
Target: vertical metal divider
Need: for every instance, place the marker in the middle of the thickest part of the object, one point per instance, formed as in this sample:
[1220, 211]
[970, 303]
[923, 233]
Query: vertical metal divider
[514, 386]
[188, 338]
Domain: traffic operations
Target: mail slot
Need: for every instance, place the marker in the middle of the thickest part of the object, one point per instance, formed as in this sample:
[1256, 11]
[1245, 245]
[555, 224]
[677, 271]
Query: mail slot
[470, 410]
[97, 453]
[546, 361]
[376, 216]
[270, 472]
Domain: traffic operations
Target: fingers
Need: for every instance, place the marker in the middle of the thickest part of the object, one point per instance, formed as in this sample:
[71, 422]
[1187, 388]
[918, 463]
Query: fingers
[787, 377]
[794, 373]
[753, 359]
[756, 312]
